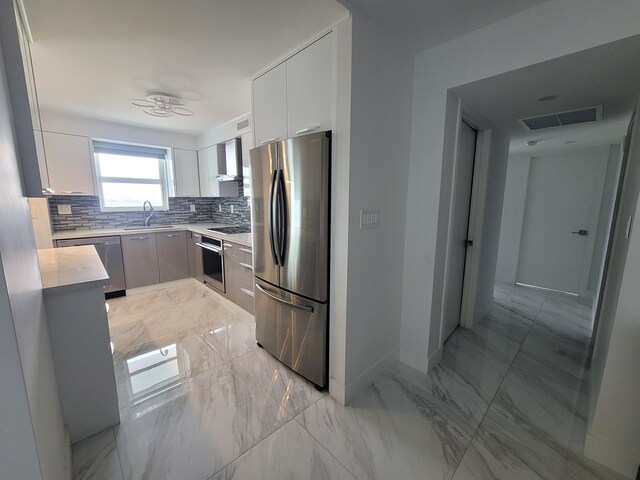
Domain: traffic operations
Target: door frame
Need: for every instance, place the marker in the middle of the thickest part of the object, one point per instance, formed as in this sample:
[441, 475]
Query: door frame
[583, 287]
[476, 213]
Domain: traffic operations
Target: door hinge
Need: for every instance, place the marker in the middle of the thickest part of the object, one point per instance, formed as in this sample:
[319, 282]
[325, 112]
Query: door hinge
[468, 243]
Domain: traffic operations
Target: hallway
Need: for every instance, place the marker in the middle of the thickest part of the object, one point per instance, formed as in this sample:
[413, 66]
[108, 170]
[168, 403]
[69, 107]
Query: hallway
[507, 401]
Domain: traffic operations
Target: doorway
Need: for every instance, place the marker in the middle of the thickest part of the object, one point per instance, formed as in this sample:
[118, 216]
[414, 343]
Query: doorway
[460, 240]
[562, 207]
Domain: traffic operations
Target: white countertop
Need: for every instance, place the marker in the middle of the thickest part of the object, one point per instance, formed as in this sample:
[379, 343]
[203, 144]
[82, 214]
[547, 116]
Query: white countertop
[72, 268]
[202, 228]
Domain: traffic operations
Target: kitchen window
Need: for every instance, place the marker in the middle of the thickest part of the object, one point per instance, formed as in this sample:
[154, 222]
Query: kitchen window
[128, 175]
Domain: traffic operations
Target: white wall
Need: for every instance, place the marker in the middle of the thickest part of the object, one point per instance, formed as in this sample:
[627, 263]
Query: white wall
[224, 132]
[605, 215]
[515, 195]
[492, 218]
[32, 442]
[380, 115]
[614, 394]
[547, 31]
[93, 128]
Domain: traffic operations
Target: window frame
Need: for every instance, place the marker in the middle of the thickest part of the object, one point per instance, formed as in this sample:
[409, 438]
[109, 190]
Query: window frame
[164, 166]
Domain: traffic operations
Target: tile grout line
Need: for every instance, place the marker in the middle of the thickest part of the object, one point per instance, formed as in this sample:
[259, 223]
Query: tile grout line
[318, 441]
[533, 321]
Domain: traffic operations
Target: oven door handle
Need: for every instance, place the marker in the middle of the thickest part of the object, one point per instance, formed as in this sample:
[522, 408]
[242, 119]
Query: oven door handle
[209, 247]
[306, 308]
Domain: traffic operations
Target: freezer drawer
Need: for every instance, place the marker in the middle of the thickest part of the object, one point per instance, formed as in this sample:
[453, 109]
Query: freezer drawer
[294, 330]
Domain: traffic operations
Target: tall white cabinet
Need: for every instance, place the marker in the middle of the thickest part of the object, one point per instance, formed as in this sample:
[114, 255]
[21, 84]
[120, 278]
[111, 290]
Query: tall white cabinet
[185, 165]
[296, 96]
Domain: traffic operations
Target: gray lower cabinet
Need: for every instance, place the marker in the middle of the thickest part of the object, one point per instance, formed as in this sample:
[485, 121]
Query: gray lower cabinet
[238, 269]
[173, 260]
[195, 256]
[140, 257]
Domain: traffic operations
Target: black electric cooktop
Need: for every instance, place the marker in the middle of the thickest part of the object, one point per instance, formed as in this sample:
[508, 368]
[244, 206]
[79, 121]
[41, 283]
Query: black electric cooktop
[231, 230]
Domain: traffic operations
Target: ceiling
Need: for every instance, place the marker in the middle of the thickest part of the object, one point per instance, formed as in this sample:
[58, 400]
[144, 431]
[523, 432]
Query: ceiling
[92, 56]
[427, 23]
[607, 75]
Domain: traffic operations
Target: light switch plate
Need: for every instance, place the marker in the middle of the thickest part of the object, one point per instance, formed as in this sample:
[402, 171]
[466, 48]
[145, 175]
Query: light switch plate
[369, 219]
[192, 207]
[64, 209]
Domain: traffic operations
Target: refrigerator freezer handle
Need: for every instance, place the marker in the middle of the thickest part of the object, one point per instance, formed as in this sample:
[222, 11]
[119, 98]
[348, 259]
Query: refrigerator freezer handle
[306, 308]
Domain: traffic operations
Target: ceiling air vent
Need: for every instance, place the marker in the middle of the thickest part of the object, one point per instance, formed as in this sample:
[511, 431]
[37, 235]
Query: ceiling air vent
[562, 119]
[243, 124]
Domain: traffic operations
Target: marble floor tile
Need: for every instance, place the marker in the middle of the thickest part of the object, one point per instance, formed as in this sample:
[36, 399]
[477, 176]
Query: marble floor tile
[148, 369]
[96, 458]
[449, 388]
[504, 450]
[285, 386]
[480, 357]
[520, 300]
[290, 453]
[194, 429]
[391, 430]
[238, 336]
[547, 402]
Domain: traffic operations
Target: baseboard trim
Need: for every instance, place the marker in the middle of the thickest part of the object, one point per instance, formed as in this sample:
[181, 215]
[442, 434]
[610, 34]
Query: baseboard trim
[414, 360]
[435, 358]
[68, 459]
[611, 455]
[344, 394]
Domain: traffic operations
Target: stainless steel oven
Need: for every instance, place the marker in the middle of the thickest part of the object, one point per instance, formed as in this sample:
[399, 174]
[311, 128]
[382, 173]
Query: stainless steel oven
[213, 262]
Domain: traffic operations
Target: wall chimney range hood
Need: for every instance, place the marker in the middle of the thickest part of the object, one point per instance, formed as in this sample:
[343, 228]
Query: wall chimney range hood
[230, 161]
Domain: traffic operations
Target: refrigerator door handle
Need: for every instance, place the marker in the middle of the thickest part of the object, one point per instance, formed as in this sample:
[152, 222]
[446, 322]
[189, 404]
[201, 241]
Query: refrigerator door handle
[272, 206]
[282, 215]
[306, 308]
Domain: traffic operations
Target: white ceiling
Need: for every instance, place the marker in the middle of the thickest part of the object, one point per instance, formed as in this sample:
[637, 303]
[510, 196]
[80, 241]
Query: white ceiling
[91, 56]
[608, 75]
[427, 23]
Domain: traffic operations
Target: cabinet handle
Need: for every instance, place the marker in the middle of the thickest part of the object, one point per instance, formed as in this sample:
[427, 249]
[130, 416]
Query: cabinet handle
[74, 193]
[137, 238]
[48, 191]
[269, 140]
[246, 250]
[246, 265]
[169, 235]
[195, 235]
[228, 245]
[248, 292]
[307, 130]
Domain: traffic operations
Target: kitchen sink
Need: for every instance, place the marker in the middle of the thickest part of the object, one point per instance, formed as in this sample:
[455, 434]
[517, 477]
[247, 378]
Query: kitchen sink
[149, 227]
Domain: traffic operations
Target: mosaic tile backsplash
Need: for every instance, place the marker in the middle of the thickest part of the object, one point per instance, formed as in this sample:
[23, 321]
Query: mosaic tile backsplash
[86, 214]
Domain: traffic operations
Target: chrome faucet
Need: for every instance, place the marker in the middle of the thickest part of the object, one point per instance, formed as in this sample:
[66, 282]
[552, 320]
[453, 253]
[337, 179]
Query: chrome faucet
[147, 218]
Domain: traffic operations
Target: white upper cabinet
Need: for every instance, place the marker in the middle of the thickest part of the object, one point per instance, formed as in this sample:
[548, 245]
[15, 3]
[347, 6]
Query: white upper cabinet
[296, 96]
[208, 167]
[270, 105]
[185, 165]
[310, 88]
[69, 163]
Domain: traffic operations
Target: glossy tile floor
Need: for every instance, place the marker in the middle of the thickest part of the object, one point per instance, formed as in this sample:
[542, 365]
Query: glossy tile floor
[200, 401]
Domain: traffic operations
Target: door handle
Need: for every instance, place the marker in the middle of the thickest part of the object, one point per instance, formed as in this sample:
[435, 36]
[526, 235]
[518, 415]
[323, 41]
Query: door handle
[582, 233]
[306, 308]
[272, 207]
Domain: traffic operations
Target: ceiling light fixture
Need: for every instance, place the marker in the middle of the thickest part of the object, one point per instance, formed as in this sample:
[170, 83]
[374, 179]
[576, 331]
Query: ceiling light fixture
[162, 105]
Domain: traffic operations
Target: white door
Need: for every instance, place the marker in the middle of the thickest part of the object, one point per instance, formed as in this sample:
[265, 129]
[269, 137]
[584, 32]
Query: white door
[460, 226]
[561, 214]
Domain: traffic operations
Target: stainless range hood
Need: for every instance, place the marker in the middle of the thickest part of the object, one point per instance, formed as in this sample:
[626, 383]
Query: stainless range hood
[230, 164]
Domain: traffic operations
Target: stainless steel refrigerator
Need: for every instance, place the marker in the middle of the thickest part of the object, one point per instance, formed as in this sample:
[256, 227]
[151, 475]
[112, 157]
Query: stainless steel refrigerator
[290, 225]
